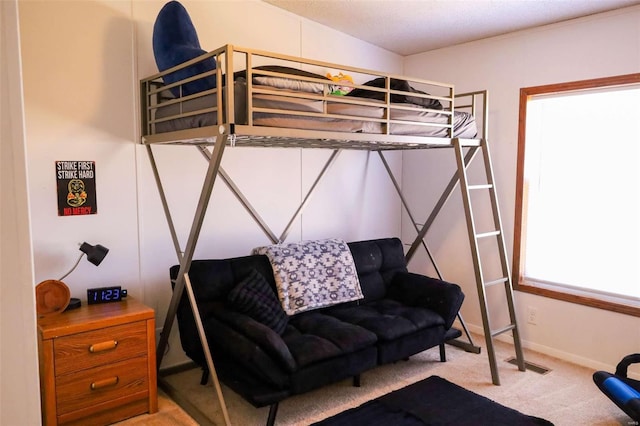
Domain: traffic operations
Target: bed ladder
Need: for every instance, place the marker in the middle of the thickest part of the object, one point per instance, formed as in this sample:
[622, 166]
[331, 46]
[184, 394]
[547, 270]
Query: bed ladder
[474, 238]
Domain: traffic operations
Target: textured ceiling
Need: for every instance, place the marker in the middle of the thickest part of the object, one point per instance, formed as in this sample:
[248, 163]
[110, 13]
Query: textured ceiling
[407, 27]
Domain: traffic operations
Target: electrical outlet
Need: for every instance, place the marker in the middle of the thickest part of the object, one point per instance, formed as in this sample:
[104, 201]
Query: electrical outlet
[532, 315]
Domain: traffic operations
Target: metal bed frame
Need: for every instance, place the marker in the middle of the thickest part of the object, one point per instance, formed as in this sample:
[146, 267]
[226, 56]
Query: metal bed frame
[212, 141]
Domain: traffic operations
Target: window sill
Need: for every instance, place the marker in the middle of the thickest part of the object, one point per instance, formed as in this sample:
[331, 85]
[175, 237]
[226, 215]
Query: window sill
[580, 299]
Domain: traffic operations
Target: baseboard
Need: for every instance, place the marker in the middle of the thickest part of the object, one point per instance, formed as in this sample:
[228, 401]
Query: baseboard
[547, 350]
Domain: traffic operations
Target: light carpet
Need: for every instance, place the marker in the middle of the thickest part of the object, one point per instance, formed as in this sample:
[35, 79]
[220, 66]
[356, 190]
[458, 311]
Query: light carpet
[169, 414]
[566, 395]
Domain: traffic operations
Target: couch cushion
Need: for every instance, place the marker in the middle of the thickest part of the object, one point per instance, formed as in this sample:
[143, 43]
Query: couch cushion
[253, 297]
[388, 319]
[377, 262]
[431, 293]
[244, 341]
[313, 337]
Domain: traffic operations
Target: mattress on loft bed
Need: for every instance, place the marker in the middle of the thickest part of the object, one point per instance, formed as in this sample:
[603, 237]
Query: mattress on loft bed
[464, 125]
[358, 118]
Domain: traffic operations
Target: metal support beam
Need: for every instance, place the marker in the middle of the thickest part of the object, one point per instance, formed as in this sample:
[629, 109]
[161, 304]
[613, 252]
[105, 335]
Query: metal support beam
[307, 197]
[182, 279]
[241, 198]
[252, 211]
[406, 208]
[455, 179]
[165, 204]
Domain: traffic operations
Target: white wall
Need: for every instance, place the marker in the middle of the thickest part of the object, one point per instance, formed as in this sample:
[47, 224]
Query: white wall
[19, 402]
[82, 63]
[79, 93]
[598, 46]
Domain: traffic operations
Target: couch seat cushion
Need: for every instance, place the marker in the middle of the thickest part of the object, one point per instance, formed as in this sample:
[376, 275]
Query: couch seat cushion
[313, 337]
[388, 319]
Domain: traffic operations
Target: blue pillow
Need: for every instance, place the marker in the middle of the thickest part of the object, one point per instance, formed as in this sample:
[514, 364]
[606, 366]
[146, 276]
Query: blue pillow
[175, 41]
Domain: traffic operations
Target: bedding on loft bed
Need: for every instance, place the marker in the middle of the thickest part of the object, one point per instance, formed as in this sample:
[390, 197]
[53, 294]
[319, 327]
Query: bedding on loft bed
[283, 96]
[356, 120]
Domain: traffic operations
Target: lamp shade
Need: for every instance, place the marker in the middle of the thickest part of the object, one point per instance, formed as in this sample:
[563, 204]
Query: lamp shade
[95, 254]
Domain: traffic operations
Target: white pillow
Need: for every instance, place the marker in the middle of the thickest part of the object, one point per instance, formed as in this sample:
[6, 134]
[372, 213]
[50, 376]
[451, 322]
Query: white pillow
[289, 84]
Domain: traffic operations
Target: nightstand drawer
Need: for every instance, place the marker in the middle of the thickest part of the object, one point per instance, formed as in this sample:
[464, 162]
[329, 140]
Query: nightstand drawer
[93, 348]
[90, 388]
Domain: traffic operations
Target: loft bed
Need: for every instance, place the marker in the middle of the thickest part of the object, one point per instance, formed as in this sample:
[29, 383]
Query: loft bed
[275, 100]
[279, 100]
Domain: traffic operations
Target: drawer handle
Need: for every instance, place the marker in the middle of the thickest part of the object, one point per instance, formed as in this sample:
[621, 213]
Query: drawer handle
[105, 383]
[104, 346]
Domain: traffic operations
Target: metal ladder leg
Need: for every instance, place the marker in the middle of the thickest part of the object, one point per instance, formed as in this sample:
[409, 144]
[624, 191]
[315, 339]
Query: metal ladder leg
[474, 237]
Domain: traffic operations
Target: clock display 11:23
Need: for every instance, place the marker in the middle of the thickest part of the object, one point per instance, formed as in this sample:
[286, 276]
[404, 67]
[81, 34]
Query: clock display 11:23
[105, 294]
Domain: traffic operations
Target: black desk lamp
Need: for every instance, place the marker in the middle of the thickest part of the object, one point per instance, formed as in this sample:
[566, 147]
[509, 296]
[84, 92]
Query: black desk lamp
[95, 254]
[53, 296]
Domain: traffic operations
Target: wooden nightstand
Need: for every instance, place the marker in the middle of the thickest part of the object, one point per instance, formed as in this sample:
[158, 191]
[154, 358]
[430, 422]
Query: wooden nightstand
[97, 363]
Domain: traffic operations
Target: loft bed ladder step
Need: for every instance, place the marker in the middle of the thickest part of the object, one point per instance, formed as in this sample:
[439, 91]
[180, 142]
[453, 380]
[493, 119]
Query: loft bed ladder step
[474, 236]
[503, 280]
[483, 186]
[503, 330]
[488, 234]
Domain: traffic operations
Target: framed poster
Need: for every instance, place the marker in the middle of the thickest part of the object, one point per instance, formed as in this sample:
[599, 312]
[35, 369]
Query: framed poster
[76, 187]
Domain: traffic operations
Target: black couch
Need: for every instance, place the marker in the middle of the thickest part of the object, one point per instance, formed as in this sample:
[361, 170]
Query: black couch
[401, 314]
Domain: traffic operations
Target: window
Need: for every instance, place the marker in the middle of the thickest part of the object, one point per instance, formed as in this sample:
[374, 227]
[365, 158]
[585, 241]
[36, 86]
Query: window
[577, 222]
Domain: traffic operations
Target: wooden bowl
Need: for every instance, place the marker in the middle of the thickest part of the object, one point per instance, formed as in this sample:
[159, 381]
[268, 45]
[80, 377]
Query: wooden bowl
[52, 296]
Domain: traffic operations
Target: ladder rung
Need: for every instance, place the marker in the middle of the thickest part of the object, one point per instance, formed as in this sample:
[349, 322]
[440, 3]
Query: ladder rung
[498, 281]
[483, 186]
[488, 234]
[503, 330]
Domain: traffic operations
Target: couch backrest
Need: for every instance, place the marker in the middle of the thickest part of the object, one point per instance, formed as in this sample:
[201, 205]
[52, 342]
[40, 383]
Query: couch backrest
[377, 261]
[212, 279]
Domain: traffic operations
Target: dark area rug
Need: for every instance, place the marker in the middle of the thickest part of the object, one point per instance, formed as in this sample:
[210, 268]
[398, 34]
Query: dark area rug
[433, 401]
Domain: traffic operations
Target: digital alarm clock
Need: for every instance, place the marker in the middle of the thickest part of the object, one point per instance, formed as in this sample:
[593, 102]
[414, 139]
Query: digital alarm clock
[105, 294]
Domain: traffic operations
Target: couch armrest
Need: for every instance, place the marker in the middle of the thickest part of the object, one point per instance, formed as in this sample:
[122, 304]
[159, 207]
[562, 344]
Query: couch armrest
[419, 290]
[257, 333]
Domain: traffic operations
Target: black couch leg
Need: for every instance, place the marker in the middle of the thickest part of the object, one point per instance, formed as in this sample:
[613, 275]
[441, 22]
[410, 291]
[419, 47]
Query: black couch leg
[205, 376]
[356, 381]
[443, 353]
[273, 410]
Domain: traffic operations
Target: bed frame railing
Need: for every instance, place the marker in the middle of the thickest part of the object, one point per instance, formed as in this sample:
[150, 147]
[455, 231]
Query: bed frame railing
[232, 60]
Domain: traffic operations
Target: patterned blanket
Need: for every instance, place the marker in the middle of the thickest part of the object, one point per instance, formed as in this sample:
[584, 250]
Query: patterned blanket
[313, 274]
